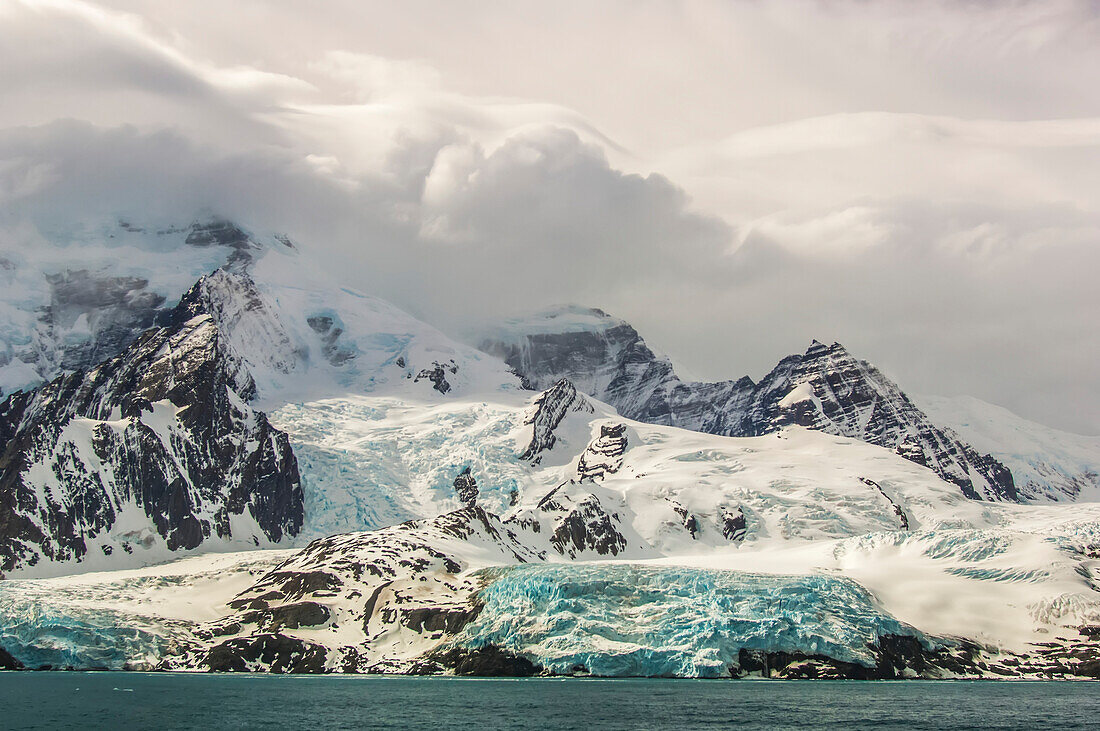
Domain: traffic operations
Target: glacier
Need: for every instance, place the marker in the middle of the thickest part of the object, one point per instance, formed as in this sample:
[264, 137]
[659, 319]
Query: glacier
[39, 633]
[623, 620]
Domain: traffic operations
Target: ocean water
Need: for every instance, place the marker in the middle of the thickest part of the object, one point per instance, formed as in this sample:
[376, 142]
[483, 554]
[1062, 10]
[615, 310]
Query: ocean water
[163, 701]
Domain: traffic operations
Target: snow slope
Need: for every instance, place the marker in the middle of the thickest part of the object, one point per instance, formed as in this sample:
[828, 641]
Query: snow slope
[78, 293]
[124, 618]
[1048, 464]
[825, 388]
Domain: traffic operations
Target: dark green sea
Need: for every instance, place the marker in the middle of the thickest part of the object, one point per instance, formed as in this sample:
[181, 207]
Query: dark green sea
[164, 701]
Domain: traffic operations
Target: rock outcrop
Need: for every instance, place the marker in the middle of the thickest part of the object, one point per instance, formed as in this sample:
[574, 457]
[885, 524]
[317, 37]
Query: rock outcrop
[156, 448]
[547, 413]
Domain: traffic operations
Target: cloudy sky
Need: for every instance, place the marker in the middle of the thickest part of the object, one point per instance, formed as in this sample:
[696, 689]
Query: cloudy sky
[920, 181]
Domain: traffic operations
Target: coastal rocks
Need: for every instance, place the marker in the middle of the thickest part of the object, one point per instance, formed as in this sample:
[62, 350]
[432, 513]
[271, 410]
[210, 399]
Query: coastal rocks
[272, 653]
[484, 662]
[895, 657]
[7, 662]
[389, 595]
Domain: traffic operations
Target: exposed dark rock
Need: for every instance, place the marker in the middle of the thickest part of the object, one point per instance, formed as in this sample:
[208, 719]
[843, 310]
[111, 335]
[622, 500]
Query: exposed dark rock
[604, 455]
[7, 662]
[580, 523]
[798, 666]
[437, 374]
[272, 653]
[903, 519]
[294, 585]
[227, 234]
[733, 524]
[689, 521]
[448, 620]
[466, 487]
[896, 657]
[330, 331]
[489, 662]
[825, 388]
[547, 412]
[290, 616]
[216, 458]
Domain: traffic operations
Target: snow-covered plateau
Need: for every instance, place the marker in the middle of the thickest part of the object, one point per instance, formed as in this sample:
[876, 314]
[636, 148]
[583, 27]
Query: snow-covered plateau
[280, 474]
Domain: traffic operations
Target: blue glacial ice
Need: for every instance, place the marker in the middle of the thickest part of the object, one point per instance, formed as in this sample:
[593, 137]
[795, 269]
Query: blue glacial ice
[39, 632]
[631, 620]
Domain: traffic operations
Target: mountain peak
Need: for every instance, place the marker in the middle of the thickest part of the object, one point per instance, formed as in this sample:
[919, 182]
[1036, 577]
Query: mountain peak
[817, 347]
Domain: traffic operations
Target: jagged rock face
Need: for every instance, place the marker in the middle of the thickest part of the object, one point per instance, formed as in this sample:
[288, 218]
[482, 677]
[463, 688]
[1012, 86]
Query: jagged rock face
[246, 321]
[437, 375]
[733, 524]
[579, 523]
[605, 453]
[228, 234]
[613, 363]
[829, 390]
[155, 446]
[466, 487]
[825, 388]
[547, 413]
[114, 308]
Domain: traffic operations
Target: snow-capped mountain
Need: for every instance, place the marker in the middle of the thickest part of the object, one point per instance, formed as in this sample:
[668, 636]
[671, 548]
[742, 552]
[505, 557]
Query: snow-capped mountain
[164, 446]
[1047, 464]
[618, 521]
[154, 450]
[825, 388]
[72, 297]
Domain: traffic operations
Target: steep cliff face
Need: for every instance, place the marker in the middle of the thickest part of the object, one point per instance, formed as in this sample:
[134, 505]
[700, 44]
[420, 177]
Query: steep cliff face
[825, 388]
[606, 358]
[1048, 465]
[82, 295]
[829, 390]
[149, 452]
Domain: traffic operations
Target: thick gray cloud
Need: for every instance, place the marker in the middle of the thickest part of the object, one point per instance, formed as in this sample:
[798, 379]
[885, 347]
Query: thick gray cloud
[918, 181]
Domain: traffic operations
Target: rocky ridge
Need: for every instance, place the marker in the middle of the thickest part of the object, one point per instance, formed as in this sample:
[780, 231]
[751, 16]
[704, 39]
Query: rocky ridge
[825, 388]
[156, 448]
